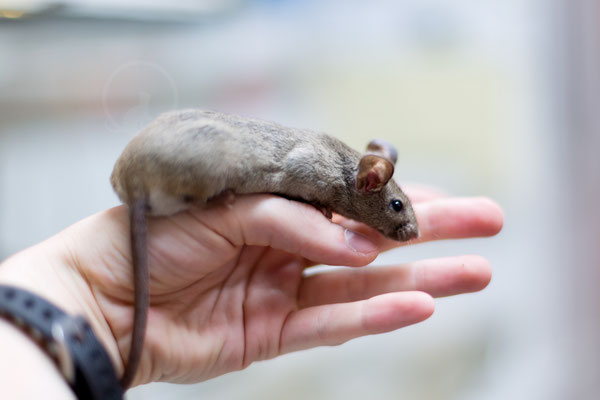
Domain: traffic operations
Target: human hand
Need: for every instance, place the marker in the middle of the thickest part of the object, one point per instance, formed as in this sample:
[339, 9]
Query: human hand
[227, 284]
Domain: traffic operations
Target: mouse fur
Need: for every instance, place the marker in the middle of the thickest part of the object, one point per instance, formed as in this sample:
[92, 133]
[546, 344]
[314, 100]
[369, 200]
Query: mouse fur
[188, 157]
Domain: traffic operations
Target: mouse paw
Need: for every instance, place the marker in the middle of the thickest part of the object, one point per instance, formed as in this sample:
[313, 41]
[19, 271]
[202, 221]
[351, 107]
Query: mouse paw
[225, 198]
[325, 210]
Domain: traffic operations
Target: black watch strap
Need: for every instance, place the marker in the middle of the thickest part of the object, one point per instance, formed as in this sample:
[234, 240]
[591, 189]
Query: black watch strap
[69, 340]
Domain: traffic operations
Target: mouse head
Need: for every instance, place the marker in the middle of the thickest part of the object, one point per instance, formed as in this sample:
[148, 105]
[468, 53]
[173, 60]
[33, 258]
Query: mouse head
[377, 200]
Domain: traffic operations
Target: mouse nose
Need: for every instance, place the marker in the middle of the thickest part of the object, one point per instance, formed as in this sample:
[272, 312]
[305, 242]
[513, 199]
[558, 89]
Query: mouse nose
[408, 232]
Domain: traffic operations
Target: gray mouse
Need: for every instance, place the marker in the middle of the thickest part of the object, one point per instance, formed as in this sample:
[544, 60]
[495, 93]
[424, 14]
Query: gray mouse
[186, 158]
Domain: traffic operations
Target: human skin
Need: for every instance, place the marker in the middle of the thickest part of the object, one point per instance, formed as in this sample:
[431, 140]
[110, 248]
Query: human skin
[227, 283]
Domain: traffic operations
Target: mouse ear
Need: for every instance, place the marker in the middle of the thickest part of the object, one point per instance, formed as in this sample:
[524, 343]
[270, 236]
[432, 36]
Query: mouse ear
[376, 166]
[383, 149]
[373, 173]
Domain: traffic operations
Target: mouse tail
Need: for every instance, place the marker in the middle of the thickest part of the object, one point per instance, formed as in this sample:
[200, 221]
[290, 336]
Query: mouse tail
[139, 251]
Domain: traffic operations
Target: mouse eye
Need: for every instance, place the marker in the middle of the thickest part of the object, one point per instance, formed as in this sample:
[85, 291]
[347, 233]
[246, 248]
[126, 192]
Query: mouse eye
[397, 205]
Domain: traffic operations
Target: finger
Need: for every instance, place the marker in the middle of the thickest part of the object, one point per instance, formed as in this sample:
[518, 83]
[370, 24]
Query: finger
[444, 218]
[437, 277]
[298, 228]
[456, 218]
[334, 324]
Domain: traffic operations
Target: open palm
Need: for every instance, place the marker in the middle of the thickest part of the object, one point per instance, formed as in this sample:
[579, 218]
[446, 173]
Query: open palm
[228, 283]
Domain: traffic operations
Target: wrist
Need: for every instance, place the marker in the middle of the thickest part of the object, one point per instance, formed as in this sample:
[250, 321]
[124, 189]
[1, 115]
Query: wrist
[25, 355]
[47, 270]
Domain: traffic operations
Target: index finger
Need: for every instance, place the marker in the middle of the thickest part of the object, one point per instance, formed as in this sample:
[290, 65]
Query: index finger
[442, 218]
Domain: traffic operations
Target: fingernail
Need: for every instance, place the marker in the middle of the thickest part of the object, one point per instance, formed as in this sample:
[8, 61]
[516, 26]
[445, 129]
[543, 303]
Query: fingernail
[358, 242]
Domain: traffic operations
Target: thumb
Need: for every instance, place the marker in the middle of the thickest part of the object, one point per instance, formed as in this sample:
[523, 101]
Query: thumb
[298, 228]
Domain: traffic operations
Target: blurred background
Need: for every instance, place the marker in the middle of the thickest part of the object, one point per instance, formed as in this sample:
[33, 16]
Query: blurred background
[495, 98]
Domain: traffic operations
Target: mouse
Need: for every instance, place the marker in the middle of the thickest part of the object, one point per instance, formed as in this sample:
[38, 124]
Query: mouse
[189, 158]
